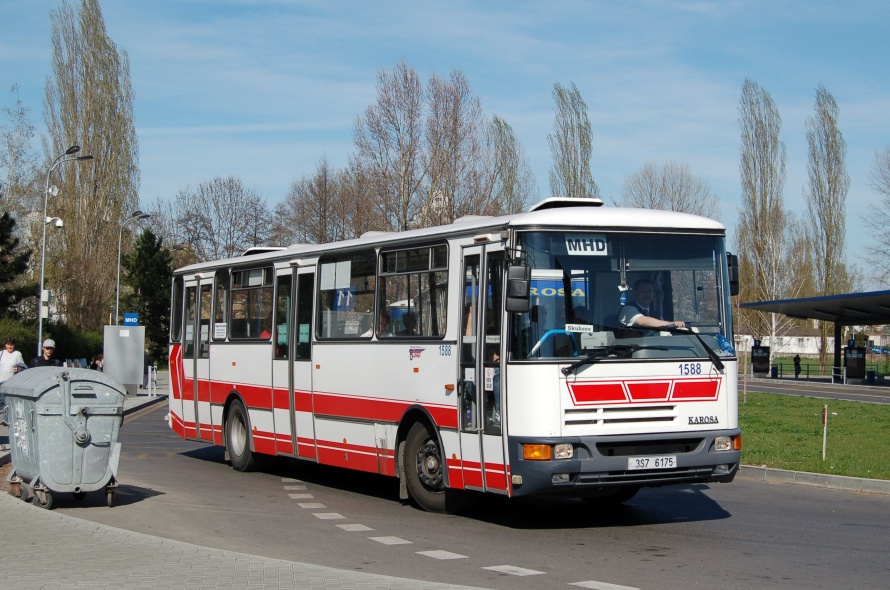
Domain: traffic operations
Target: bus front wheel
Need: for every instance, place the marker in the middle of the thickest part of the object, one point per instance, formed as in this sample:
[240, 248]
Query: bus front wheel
[238, 439]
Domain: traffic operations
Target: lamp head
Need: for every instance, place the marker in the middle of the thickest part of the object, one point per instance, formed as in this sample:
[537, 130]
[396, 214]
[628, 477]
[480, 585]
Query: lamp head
[72, 150]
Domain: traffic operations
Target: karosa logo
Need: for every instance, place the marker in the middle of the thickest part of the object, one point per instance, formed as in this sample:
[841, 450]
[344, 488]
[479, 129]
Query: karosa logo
[414, 352]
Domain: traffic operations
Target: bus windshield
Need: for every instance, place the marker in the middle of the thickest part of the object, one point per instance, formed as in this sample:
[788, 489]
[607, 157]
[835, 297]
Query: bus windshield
[593, 290]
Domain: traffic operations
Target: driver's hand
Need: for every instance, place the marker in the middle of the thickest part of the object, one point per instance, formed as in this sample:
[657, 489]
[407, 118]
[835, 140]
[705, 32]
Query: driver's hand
[679, 323]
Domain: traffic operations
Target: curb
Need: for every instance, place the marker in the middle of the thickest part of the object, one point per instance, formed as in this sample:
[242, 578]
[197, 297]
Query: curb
[818, 480]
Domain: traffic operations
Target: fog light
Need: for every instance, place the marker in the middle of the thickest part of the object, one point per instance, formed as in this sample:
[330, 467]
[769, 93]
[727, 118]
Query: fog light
[532, 452]
[721, 469]
[563, 451]
[516, 479]
[559, 478]
[723, 443]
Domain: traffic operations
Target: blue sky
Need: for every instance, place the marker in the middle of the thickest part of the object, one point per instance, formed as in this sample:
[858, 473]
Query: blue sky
[263, 89]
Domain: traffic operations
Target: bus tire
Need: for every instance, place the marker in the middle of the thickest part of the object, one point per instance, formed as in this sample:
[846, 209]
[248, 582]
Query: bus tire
[425, 473]
[238, 439]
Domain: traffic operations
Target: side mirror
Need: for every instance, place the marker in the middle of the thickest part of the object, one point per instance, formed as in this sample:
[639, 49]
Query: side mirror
[519, 280]
[732, 265]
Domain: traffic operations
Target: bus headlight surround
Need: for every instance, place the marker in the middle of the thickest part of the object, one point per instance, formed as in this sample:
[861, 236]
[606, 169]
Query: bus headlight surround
[723, 443]
[563, 451]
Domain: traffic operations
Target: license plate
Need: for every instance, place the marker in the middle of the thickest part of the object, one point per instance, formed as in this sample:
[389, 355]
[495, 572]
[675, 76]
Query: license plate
[651, 462]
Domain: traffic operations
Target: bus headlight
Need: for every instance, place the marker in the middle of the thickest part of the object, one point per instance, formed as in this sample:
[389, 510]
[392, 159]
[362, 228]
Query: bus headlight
[563, 451]
[723, 443]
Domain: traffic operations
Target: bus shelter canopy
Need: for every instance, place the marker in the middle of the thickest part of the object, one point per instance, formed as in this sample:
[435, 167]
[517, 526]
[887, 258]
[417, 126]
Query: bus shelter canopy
[852, 309]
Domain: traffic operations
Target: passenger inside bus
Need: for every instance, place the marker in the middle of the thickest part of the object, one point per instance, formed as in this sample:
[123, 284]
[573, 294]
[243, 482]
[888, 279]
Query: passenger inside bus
[409, 319]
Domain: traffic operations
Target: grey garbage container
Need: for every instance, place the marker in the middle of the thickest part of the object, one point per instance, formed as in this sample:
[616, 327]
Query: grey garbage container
[63, 432]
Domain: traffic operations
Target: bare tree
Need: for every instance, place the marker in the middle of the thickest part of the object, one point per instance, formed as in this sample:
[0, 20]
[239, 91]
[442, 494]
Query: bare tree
[763, 227]
[389, 142]
[19, 162]
[671, 187]
[826, 196]
[89, 102]
[453, 146]
[220, 218]
[877, 220]
[571, 144]
[510, 182]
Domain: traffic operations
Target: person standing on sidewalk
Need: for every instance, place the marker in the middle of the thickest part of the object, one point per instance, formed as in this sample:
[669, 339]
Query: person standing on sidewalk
[796, 366]
[11, 362]
[46, 359]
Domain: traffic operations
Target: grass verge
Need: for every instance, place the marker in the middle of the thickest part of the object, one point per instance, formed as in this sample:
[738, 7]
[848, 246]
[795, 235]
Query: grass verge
[785, 432]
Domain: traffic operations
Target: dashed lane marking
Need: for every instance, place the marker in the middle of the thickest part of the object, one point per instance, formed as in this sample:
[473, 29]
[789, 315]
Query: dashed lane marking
[439, 554]
[513, 570]
[391, 540]
[601, 585]
[327, 515]
[295, 488]
[311, 505]
[290, 480]
[300, 496]
[354, 528]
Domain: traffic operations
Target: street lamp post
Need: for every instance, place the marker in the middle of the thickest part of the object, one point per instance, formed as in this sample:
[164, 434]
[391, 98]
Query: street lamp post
[117, 298]
[68, 156]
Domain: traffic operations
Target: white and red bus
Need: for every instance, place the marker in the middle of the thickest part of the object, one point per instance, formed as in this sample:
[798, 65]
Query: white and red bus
[483, 355]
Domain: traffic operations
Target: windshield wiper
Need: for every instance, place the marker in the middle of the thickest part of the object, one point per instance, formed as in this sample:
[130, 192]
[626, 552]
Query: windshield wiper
[672, 328]
[622, 351]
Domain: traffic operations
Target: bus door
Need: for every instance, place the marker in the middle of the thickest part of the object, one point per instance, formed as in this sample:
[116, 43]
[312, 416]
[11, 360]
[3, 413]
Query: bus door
[282, 388]
[197, 354]
[301, 365]
[204, 422]
[482, 447]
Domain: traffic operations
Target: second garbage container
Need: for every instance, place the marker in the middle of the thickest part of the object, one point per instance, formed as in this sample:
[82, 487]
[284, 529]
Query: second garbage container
[63, 432]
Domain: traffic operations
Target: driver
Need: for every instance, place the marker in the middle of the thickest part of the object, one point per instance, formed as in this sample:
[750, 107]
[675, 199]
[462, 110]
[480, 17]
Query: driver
[640, 313]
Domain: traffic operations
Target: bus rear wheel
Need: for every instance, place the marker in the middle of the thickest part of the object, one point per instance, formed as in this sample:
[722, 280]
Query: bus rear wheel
[238, 439]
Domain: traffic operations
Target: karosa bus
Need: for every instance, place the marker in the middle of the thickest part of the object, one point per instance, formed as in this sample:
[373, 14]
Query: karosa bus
[511, 376]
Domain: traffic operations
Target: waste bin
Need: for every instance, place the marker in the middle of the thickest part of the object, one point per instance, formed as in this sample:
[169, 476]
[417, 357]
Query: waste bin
[870, 377]
[63, 432]
[774, 372]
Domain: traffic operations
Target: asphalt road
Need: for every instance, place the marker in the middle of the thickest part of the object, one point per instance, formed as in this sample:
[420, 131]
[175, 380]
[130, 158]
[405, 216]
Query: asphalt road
[819, 389]
[740, 535]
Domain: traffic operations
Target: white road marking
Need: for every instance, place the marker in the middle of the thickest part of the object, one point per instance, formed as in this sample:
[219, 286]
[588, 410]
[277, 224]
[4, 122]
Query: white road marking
[291, 480]
[352, 528]
[391, 540]
[310, 505]
[513, 570]
[439, 554]
[601, 585]
[295, 488]
[327, 515]
[300, 496]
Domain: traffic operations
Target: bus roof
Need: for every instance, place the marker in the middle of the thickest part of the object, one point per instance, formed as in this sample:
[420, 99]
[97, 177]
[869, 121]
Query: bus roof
[553, 216]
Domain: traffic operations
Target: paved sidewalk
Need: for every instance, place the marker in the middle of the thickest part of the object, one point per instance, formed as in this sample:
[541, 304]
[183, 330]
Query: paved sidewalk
[46, 549]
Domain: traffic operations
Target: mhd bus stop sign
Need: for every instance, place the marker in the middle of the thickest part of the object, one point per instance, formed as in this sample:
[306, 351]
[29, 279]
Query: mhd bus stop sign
[131, 319]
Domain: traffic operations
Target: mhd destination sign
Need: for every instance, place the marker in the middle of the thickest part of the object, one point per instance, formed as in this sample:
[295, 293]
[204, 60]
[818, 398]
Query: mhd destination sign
[587, 245]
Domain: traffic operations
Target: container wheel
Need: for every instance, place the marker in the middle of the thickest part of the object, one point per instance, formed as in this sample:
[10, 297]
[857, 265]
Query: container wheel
[46, 502]
[238, 439]
[109, 497]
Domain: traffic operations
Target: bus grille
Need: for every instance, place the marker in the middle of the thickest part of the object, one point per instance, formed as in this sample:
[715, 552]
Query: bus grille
[608, 416]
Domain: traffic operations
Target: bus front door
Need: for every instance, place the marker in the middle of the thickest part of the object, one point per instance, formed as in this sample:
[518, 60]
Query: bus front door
[482, 445]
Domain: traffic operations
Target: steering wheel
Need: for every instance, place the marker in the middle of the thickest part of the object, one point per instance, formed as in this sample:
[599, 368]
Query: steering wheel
[549, 334]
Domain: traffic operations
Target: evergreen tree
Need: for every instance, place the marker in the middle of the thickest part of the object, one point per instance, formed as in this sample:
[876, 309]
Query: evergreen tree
[147, 272]
[13, 264]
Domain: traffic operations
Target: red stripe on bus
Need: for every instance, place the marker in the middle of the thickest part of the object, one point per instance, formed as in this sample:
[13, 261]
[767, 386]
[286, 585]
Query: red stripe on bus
[588, 393]
[649, 391]
[703, 390]
[644, 391]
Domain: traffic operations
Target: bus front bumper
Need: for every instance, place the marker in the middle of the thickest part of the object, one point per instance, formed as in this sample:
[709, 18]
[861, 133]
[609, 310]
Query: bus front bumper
[600, 462]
